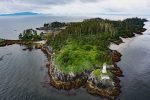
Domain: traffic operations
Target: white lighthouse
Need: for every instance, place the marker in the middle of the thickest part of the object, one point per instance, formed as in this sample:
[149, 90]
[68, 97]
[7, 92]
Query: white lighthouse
[104, 75]
[104, 68]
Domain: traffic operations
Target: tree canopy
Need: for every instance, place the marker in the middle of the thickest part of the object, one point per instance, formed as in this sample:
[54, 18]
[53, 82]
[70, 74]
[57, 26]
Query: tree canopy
[83, 45]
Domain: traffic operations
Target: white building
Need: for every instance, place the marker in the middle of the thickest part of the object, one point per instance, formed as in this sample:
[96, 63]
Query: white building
[104, 75]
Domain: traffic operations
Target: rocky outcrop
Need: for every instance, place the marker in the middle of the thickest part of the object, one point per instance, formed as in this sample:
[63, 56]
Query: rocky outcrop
[38, 46]
[67, 85]
[62, 81]
[115, 55]
[140, 32]
[11, 42]
[116, 70]
[110, 93]
[143, 29]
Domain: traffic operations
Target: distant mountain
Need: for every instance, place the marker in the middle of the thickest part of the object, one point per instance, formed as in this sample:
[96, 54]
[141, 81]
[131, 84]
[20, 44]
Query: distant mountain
[19, 14]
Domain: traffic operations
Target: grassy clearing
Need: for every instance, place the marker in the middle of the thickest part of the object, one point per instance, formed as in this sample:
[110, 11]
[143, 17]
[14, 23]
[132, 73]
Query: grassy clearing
[77, 58]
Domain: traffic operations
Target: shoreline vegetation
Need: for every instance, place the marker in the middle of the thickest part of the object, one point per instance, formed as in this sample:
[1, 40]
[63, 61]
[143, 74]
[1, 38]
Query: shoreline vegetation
[79, 55]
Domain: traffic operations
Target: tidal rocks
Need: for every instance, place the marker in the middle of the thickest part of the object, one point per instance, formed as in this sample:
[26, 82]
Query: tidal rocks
[65, 81]
[116, 70]
[109, 93]
[106, 87]
[143, 29]
[116, 56]
[62, 83]
[38, 46]
[67, 85]
[11, 42]
[140, 32]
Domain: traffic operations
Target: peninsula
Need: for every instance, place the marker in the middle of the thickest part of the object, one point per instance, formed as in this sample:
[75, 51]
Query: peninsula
[79, 54]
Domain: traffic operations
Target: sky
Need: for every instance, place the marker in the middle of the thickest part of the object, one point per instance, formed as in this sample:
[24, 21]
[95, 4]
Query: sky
[76, 7]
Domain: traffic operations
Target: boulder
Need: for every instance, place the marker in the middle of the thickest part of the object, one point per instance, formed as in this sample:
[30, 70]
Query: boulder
[116, 56]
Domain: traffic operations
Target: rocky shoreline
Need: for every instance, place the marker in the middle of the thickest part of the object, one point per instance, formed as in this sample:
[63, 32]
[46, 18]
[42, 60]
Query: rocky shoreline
[11, 42]
[141, 31]
[76, 81]
[82, 80]
[68, 82]
[106, 85]
[113, 92]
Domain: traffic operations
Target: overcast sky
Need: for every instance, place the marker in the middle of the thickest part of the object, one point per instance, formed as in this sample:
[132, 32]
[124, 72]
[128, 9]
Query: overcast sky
[76, 7]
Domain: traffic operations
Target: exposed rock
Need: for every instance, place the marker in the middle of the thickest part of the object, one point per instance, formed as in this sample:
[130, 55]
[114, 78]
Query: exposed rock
[116, 71]
[11, 42]
[109, 93]
[143, 29]
[116, 56]
[38, 46]
[140, 32]
[67, 85]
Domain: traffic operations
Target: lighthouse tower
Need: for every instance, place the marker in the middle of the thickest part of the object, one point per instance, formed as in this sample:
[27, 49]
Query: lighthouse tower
[104, 68]
[104, 75]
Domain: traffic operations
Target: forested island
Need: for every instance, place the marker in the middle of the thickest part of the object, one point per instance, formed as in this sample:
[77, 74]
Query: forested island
[79, 53]
[53, 25]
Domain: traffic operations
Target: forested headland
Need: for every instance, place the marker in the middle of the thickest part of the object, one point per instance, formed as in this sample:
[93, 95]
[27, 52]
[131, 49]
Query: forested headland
[85, 45]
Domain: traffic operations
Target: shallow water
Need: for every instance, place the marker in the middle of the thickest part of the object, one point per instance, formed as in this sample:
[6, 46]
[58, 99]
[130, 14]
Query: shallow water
[23, 75]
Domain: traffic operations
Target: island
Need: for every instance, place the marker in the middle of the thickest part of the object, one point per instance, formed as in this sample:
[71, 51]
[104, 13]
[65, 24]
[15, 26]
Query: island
[79, 55]
[54, 25]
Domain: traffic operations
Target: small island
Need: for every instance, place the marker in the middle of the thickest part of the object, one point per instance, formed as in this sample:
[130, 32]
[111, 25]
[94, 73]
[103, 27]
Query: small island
[79, 55]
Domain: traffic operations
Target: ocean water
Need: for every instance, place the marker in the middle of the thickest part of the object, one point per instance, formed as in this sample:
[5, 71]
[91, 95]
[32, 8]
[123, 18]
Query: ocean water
[23, 74]
[11, 27]
[135, 64]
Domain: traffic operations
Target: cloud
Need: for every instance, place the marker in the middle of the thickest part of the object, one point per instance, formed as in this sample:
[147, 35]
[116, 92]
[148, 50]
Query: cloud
[89, 1]
[45, 2]
[76, 7]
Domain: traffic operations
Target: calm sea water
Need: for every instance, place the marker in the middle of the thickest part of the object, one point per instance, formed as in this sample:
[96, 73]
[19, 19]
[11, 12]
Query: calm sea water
[10, 27]
[23, 75]
[135, 64]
